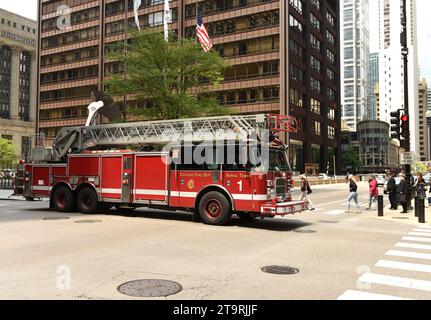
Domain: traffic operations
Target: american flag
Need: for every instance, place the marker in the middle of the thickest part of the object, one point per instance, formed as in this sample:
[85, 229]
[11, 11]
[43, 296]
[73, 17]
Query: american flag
[202, 34]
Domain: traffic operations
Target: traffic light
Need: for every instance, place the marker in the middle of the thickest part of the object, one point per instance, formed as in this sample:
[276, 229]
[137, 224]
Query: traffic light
[405, 133]
[395, 125]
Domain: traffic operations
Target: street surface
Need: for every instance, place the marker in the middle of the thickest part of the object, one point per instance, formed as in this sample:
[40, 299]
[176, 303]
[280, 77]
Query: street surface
[339, 255]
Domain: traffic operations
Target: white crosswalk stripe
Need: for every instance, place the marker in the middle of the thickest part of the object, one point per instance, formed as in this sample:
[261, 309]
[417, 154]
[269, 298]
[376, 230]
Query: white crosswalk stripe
[415, 246]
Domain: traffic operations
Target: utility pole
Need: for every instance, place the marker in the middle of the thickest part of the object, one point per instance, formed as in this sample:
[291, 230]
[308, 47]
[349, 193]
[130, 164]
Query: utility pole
[405, 54]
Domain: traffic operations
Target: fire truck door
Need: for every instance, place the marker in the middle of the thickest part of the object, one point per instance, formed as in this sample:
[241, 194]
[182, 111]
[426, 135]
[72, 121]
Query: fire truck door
[126, 189]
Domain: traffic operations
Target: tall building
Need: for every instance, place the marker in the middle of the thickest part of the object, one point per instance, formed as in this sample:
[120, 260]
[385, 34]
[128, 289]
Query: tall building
[423, 121]
[284, 57]
[429, 99]
[391, 82]
[18, 79]
[373, 79]
[354, 60]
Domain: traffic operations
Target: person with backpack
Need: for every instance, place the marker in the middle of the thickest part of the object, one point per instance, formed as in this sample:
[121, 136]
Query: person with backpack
[354, 195]
[306, 191]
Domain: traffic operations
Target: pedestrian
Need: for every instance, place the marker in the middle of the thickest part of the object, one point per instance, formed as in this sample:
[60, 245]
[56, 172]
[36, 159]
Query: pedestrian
[392, 190]
[354, 195]
[374, 191]
[403, 190]
[306, 191]
[419, 187]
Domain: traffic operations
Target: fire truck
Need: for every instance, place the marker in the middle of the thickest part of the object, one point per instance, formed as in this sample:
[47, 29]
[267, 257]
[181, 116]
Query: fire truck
[94, 168]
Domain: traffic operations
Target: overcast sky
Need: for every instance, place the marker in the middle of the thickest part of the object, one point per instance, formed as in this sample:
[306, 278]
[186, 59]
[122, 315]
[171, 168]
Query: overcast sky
[28, 8]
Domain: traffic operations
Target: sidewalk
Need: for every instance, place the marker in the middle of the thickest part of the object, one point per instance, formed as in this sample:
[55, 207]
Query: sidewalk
[397, 216]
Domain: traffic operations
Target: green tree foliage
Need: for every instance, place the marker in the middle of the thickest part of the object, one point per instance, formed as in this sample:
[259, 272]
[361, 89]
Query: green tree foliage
[351, 158]
[166, 77]
[7, 153]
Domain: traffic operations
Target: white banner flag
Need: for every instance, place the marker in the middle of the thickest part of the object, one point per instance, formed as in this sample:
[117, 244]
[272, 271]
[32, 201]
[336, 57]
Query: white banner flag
[168, 19]
[136, 5]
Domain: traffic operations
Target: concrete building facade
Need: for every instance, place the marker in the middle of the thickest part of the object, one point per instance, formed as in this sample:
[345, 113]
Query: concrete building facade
[355, 50]
[391, 82]
[373, 78]
[18, 80]
[424, 142]
[284, 57]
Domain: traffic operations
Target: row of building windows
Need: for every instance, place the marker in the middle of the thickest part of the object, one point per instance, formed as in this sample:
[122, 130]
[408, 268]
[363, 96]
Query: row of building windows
[15, 25]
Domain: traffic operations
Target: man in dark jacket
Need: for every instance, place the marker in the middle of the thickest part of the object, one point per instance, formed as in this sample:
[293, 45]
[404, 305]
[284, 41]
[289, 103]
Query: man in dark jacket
[403, 190]
[392, 190]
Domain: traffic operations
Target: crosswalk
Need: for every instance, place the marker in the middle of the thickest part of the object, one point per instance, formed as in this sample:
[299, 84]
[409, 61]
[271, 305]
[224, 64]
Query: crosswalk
[415, 252]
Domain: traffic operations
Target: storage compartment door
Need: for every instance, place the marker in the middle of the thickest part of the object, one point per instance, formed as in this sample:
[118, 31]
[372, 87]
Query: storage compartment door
[151, 178]
[112, 167]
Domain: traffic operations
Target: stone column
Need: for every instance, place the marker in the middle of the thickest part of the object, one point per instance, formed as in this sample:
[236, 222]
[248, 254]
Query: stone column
[14, 79]
[33, 87]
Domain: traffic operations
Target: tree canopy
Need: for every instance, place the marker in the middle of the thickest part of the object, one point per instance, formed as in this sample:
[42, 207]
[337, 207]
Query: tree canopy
[350, 159]
[7, 152]
[168, 79]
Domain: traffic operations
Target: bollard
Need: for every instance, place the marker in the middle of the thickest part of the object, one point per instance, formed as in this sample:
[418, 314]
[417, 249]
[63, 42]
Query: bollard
[421, 211]
[416, 207]
[380, 205]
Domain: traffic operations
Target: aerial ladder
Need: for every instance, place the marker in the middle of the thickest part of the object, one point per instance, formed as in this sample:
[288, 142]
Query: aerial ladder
[232, 127]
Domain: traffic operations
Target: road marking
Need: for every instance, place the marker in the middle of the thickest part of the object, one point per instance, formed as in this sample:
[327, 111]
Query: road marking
[404, 266]
[12, 211]
[413, 246]
[422, 230]
[360, 295]
[421, 234]
[335, 212]
[396, 281]
[416, 239]
[408, 254]
[424, 227]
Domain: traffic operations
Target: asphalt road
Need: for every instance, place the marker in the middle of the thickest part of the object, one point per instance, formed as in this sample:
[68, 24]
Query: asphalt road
[338, 255]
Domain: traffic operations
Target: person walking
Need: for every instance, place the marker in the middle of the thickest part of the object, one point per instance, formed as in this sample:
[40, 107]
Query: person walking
[392, 190]
[420, 187]
[354, 195]
[403, 190]
[306, 191]
[374, 191]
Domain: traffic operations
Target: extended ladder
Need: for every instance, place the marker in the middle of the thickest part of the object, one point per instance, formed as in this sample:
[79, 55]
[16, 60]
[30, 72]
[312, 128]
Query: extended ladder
[241, 127]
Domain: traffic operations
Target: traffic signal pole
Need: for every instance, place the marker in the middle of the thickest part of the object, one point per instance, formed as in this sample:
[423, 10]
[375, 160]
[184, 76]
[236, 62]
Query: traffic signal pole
[405, 53]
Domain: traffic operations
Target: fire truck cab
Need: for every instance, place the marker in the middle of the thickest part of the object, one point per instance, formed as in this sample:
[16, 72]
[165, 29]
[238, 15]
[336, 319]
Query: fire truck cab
[222, 178]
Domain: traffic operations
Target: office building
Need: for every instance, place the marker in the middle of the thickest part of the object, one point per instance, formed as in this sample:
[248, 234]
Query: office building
[373, 80]
[284, 57]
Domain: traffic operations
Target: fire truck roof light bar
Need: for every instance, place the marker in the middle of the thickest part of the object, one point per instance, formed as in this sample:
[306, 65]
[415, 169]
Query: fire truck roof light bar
[238, 127]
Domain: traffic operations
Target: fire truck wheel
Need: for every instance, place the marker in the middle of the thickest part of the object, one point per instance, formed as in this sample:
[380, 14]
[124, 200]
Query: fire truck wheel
[245, 216]
[87, 201]
[215, 209]
[63, 200]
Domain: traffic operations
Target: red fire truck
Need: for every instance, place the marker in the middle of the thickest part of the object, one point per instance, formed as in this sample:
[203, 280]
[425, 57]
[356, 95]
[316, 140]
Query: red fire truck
[98, 167]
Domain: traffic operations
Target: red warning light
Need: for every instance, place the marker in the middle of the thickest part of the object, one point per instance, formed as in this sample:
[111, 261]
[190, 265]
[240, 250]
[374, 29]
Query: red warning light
[404, 118]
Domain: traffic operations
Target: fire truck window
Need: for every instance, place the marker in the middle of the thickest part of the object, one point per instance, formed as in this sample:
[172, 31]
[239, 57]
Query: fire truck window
[212, 158]
[127, 163]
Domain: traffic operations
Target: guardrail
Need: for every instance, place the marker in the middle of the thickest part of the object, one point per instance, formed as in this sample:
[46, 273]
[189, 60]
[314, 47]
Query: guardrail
[6, 183]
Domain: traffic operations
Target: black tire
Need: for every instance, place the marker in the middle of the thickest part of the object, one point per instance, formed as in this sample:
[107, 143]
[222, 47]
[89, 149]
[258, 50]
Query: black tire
[245, 216]
[63, 200]
[215, 209]
[88, 202]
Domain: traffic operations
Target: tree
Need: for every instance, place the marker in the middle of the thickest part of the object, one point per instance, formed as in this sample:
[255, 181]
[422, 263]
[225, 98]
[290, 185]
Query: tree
[7, 153]
[167, 77]
[350, 159]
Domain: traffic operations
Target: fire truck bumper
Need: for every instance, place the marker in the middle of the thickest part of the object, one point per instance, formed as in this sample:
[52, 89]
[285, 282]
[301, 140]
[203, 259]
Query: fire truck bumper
[285, 208]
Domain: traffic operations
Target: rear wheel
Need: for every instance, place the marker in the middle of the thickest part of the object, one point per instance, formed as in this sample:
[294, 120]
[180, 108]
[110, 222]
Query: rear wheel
[63, 200]
[215, 209]
[87, 201]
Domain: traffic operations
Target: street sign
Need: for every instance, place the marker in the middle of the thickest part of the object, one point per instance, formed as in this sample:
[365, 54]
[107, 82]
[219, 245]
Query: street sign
[407, 158]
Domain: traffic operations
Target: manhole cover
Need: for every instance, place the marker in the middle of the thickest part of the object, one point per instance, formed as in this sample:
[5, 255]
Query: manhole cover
[305, 231]
[88, 221]
[150, 288]
[280, 270]
[56, 218]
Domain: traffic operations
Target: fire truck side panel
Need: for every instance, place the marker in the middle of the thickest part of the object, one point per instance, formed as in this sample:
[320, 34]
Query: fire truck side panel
[190, 184]
[240, 186]
[151, 178]
[83, 166]
[59, 171]
[41, 180]
[110, 177]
